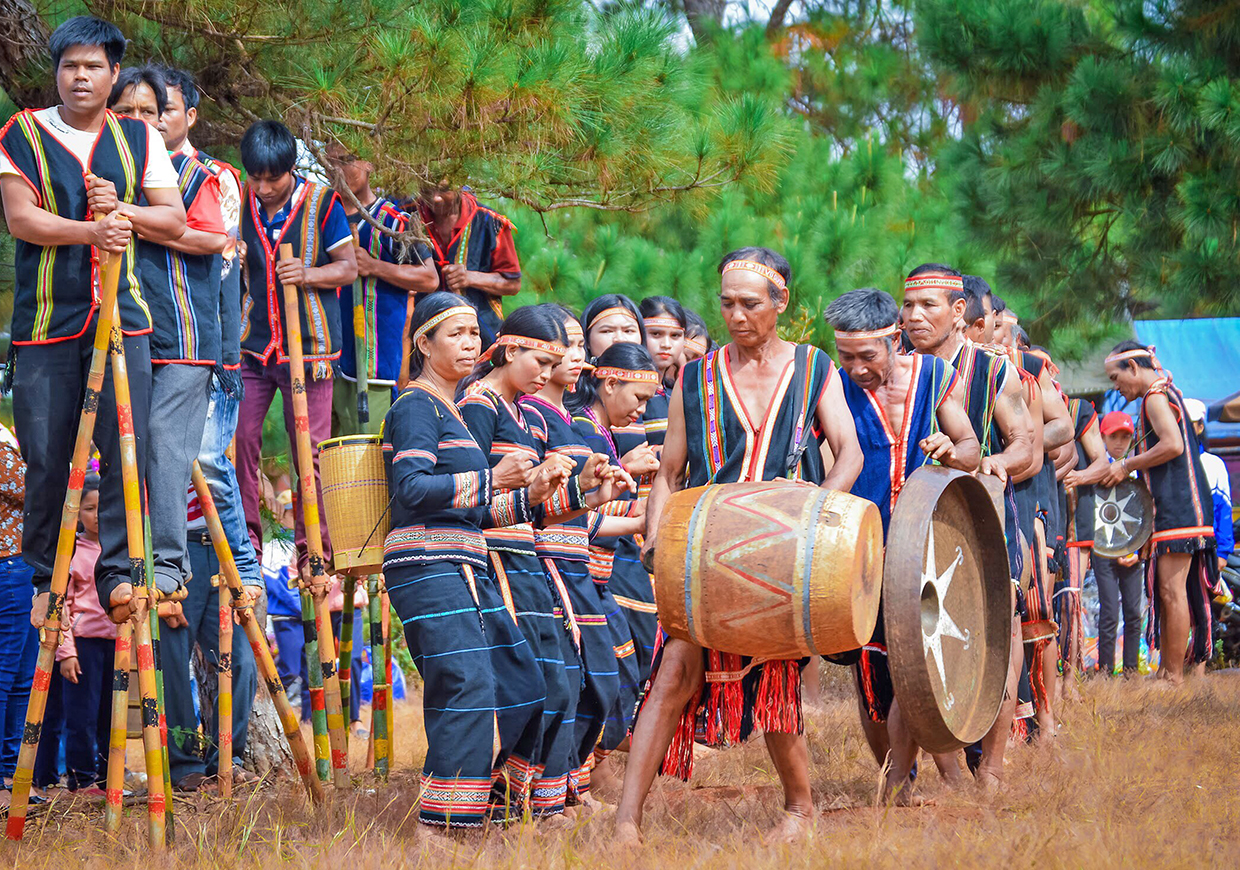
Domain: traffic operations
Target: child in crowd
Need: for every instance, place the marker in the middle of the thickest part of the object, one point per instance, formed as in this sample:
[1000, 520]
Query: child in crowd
[1118, 578]
[84, 669]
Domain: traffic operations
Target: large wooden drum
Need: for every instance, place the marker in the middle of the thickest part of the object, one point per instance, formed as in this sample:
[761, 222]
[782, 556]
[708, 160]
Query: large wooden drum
[355, 497]
[777, 569]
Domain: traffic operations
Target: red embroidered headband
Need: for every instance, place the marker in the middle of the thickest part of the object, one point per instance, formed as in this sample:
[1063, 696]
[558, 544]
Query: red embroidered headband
[607, 312]
[441, 317]
[950, 283]
[884, 332]
[663, 322]
[757, 268]
[630, 375]
[523, 341]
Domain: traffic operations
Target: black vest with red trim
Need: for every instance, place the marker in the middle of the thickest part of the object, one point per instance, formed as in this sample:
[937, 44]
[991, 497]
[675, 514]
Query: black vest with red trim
[473, 247]
[182, 289]
[262, 303]
[1183, 503]
[57, 287]
[230, 280]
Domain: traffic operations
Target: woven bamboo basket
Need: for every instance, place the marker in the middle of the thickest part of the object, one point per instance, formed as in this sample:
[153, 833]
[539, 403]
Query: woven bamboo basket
[355, 497]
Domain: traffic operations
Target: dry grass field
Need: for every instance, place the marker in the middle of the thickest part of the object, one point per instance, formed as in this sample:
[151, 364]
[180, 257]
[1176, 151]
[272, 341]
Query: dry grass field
[1141, 776]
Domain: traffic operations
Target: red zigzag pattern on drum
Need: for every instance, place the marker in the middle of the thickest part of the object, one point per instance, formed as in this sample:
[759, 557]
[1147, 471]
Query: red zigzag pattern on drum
[771, 529]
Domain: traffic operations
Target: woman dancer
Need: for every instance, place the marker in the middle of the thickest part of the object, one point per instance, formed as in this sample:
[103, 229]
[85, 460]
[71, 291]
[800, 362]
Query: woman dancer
[614, 395]
[484, 692]
[564, 550]
[530, 344]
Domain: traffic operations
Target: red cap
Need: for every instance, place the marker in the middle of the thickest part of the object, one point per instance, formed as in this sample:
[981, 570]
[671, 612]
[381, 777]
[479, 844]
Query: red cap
[1116, 421]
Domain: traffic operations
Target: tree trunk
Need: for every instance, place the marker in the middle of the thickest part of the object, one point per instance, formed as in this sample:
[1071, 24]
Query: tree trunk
[704, 16]
[266, 749]
[778, 13]
[23, 51]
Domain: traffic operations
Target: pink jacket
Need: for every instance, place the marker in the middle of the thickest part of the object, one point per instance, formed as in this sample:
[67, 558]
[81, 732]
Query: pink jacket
[87, 618]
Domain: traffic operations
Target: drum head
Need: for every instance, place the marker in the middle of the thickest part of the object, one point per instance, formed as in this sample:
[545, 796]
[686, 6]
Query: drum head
[1123, 518]
[947, 608]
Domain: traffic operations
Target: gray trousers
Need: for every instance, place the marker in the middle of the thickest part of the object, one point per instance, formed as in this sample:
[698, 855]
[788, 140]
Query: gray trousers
[179, 397]
[1116, 582]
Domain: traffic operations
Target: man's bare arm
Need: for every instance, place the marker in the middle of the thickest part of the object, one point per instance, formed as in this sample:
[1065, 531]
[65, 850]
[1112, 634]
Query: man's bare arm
[1157, 409]
[836, 421]
[1012, 417]
[965, 453]
[1057, 426]
[672, 468]
[1095, 452]
[37, 226]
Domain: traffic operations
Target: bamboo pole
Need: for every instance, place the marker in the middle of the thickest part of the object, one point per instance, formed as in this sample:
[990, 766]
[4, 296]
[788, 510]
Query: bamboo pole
[314, 538]
[147, 685]
[378, 671]
[224, 727]
[109, 278]
[257, 638]
[385, 608]
[119, 735]
[361, 366]
[156, 647]
[346, 647]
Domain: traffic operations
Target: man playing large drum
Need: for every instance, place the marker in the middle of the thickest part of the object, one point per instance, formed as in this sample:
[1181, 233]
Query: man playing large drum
[908, 413]
[745, 412]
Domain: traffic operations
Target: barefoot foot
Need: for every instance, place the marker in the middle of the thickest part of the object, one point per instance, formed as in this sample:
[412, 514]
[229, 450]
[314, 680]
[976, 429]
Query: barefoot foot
[792, 828]
[628, 835]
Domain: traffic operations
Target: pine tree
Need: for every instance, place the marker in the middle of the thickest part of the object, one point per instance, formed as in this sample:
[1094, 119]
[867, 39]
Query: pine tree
[1102, 157]
[545, 102]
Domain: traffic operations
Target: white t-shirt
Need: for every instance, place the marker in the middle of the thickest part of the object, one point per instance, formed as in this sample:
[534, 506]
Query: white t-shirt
[159, 171]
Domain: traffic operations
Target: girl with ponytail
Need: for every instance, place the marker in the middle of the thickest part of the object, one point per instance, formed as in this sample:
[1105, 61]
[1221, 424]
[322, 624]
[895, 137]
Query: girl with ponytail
[564, 549]
[609, 398]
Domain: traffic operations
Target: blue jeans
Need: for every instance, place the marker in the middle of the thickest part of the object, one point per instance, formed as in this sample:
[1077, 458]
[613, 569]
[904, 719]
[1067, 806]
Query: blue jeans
[20, 642]
[222, 480]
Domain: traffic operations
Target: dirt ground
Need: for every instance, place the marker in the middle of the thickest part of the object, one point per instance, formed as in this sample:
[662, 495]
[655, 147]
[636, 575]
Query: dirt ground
[1140, 776]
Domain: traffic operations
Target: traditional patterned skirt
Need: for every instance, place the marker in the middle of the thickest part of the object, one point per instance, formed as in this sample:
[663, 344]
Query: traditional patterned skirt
[634, 592]
[483, 692]
[619, 719]
[598, 671]
[531, 603]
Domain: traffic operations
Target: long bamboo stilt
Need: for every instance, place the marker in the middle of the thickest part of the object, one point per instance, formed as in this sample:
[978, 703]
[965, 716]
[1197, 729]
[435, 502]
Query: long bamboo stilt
[109, 274]
[314, 539]
[142, 598]
[156, 648]
[378, 671]
[345, 668]
[118, 737]
[225, 714]
[385, 608]
[314, 680]
[258, 640]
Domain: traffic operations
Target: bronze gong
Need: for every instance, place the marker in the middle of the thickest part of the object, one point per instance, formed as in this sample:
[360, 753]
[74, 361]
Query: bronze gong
[947, 608]
[1123, 518]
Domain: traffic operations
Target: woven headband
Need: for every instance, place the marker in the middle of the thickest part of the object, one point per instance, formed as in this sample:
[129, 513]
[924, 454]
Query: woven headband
[573, 328]
[697, 343]
[632, 376]
[523, 341]
[950, 283]
[1135, 353]
[759, 269]
[1009, 317]
[441, 317]
[664, 322]
[607, 312]
[884, 332]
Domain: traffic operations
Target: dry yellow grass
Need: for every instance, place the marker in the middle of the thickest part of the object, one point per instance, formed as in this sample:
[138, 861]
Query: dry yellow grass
[1141, 777]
